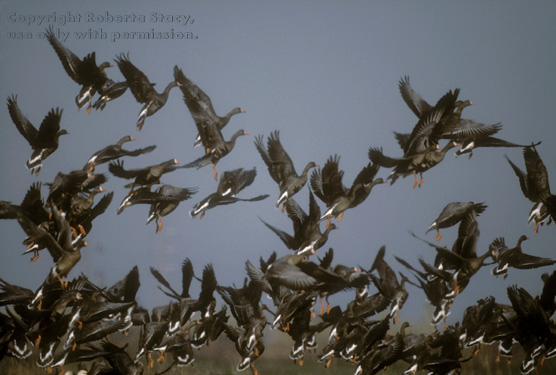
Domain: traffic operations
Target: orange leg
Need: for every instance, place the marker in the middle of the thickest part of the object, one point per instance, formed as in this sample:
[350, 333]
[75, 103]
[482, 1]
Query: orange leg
[536, 228]
[215, 173]
[415, 183]
[159, 225]
[287, 327]
[421, 180]
[329, 221]
[162, 358]
[328, 362]
[61, 282]
[438, 236]
[340, 216]
[35, 257]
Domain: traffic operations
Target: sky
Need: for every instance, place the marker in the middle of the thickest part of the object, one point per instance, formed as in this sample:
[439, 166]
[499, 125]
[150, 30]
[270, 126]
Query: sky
[323, 73]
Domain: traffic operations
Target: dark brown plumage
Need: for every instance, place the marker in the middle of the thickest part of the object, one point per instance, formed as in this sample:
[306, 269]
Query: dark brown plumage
[200, 105]
[281, 168]
[327, 185]
[142, 89]
[84, 72]
[43, 141]
[143, 176]
[307, 233]
[453, 213]
[535, 186]
[215, 145]
[115, 151]
[231, 183]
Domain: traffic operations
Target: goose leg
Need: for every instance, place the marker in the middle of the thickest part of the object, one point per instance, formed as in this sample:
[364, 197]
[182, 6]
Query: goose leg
[161, 358]
[415, 176]
[421, 180]
[35, 257]
[61, 281]
[438, 236]
[329, 221]
[215, 173]
[158, 224]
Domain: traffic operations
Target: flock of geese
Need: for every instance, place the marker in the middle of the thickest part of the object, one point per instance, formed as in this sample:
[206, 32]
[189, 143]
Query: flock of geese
[77, 321]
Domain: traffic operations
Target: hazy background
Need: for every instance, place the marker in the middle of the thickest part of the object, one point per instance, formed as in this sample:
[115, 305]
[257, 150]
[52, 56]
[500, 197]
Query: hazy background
[326, 75]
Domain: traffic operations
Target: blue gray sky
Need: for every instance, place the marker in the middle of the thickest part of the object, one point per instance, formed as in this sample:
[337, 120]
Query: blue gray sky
[326, 75]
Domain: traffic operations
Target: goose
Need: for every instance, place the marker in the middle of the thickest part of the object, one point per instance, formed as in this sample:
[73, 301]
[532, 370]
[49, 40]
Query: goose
[327, 185]
[534, 185]
[453, 213]
[43, 141]
[200, 105]
[84, 72]
[115, 151]
[215, 146]
[281, 168]
[231, 183]
[143, 90]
